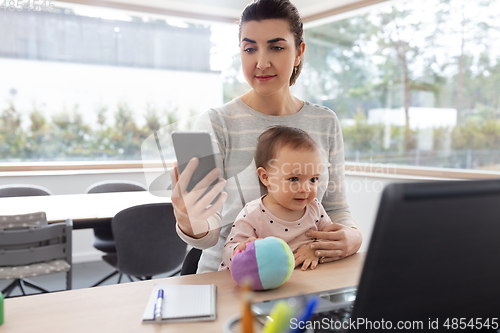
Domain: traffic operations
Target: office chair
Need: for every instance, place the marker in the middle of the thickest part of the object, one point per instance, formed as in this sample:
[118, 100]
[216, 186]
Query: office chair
[146, 242]
[103, 236]
[31, 247]
[23, 190]
[190, 265]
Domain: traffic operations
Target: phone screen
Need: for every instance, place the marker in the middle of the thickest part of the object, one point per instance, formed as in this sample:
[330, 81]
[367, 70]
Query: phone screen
[195, 144]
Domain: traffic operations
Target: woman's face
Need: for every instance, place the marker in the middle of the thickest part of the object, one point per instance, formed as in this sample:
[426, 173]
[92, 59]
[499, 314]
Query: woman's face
[268, 55]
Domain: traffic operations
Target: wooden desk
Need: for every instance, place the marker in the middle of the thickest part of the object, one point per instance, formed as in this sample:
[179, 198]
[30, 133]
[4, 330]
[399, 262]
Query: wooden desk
[86, 210]
[119, 308]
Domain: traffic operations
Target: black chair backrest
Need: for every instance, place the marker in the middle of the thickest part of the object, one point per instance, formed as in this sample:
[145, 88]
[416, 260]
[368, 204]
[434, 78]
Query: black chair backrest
[190, 265]
[115, 186]
[23, 190]
[147, 243]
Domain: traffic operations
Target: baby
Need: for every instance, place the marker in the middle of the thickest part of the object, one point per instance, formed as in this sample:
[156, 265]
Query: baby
[288, 164]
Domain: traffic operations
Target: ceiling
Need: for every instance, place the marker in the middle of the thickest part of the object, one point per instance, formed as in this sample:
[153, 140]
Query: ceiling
[226, 10]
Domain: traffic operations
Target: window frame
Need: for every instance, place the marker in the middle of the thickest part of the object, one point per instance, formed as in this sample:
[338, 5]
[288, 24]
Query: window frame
[377, 170]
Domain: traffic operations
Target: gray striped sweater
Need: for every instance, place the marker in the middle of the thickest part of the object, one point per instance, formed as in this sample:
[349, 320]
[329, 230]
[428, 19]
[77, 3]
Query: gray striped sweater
[235, 127]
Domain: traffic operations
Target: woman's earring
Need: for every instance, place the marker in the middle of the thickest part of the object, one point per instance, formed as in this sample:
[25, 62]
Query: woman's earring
[295, 70]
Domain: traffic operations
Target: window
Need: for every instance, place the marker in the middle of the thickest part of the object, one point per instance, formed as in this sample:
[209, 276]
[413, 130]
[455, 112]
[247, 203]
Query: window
[414, 83]
[85, 83]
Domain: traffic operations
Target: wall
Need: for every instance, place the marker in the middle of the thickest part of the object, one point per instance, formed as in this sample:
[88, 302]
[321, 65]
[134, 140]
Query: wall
[363, 196]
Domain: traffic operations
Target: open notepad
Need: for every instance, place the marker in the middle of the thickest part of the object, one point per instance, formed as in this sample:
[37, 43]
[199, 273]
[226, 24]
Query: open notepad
[182, 302]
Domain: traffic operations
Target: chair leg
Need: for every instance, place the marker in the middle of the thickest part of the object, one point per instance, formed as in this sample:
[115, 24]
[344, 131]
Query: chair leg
[120, 278]
[69, 279]
[8, 290]
[130, 278]
[21, 286]
[34, 285]
[106, 278]
[7, 293]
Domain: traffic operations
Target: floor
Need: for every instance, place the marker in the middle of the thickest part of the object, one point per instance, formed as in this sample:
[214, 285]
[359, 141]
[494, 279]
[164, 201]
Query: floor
[84, 276]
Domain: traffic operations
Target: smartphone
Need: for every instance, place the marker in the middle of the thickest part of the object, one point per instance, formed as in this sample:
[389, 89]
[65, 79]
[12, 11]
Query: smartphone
[189, 144]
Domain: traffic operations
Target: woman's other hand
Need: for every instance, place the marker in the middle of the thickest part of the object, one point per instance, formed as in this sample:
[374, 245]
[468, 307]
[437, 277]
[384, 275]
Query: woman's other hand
[337, 241]
[190, 211]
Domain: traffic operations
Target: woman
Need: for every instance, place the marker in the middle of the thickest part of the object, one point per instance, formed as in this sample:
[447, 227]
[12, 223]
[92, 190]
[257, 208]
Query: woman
[272, 49]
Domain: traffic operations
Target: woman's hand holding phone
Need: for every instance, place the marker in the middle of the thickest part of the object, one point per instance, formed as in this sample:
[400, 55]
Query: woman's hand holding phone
[192, 209]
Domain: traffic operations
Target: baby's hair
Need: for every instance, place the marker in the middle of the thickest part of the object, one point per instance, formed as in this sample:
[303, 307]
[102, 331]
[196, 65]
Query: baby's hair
[277, 137]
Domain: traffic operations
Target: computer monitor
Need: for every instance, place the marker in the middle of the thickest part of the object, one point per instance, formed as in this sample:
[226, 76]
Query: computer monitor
[434, 255]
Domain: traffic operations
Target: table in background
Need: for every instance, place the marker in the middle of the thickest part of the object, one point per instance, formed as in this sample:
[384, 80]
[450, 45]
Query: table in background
[86, 210]
[119, 308]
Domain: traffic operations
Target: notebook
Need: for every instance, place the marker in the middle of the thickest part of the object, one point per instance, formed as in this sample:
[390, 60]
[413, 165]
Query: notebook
[183, 303]
[432, 262]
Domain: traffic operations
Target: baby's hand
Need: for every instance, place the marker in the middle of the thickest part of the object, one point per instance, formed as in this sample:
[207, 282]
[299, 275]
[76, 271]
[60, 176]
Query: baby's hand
[305, 256]
[243, 245]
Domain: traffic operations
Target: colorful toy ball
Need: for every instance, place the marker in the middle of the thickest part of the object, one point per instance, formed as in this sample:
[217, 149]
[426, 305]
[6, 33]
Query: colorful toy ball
[267, 263]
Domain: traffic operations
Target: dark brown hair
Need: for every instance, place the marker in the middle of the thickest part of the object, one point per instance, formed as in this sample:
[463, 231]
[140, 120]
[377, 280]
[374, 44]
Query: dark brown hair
[277, 137]
[260, 10]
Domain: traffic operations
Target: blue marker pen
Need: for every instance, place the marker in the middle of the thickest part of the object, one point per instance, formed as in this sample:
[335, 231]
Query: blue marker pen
[159, 305]
[311, 303]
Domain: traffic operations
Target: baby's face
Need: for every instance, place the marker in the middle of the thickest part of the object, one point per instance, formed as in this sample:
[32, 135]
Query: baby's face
[293, 177]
